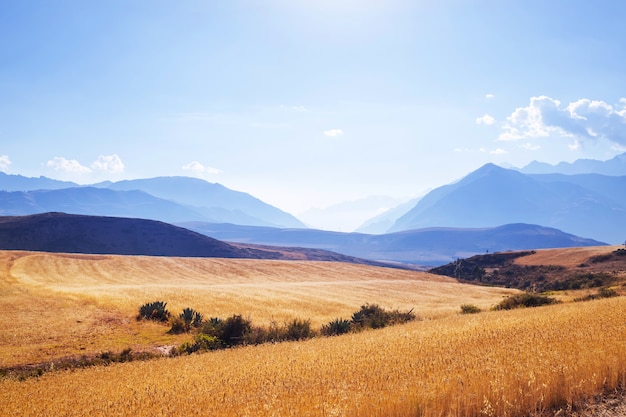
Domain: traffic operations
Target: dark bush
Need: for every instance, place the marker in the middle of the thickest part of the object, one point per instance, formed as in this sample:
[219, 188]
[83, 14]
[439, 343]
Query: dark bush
[470, 309]
[336, 327]
[374, 317]
[525, 300]
[298, 329]
[370, 315]
[232, 330]
[156, 311]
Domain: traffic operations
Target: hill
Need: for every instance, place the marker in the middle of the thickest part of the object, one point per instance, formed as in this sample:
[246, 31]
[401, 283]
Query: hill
[548, 270]
[67, 233]
[430, 246]
[592, 206]
[167, 199]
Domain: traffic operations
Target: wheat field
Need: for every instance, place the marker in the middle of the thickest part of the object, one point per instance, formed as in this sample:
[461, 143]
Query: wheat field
[511, 363]
[55, 305]
[496, 363]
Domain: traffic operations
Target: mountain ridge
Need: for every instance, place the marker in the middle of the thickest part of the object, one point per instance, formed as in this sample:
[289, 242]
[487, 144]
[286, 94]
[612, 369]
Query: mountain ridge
[589, 205]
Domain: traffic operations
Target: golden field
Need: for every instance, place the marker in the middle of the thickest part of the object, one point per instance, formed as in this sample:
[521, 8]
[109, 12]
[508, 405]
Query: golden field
[55, 305]
[496, 363]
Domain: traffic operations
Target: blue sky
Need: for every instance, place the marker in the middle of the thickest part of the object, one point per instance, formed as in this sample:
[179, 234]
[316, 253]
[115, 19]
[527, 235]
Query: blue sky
[306, 103]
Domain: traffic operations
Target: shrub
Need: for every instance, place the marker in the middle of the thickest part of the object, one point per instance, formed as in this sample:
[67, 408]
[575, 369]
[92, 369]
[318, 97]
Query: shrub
[178, 326]
[298, 329]
[525, 300]
[336, 327]
[602, 293]
[191, 317]
[375, 317]
[232, 330]
[156, 311]
[398, 317]
[202, 342]
[470, 309]
[370, 315]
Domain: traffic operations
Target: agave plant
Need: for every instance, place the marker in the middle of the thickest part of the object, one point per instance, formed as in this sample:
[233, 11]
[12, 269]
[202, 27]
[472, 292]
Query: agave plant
[155, 310]
[191, 317]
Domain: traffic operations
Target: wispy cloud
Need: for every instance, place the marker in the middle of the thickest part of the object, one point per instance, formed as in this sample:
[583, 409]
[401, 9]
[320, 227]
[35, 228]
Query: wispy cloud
[4, 163]
[584, 120]
[299, 109]
[498, 151]
[333, 132]
[108, 163]
[58, 163]
[200, 170]
[530, 147]
[489, 96]
[485, 120]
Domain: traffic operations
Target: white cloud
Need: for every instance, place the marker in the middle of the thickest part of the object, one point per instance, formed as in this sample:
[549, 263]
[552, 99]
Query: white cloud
[485, 120]
[333, 132]
[530, 147]
[200, 170]
[108, 163]
[4, 163]
[575, 146]
[489, 96]
[498, 151]
[583, 119]
[59, 163]
[299, 109]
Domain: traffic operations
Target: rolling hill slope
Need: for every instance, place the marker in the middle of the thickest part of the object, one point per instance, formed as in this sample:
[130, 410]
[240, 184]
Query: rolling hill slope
[60, 232]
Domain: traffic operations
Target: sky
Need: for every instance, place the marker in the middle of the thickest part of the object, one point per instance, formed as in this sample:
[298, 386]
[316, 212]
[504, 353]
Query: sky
[308, 103]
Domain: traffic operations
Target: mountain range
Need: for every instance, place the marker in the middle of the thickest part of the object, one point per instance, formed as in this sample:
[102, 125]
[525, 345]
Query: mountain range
[614, 167]
[169, 199]
[425, 247]
[588, 205]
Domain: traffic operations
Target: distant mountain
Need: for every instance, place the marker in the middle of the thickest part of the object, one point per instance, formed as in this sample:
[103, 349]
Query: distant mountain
[614, 167]
[9, 182]
[188, 199]
[426, 247]
[214, 201]
[591, 205]
[67, 233]
[95, 201]
[384, 221]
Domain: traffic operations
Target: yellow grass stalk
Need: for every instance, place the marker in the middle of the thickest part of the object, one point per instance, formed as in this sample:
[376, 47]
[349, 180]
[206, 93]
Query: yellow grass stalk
[491, 364]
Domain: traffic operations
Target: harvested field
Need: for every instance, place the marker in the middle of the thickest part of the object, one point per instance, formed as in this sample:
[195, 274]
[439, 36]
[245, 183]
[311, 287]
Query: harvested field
[55, 305]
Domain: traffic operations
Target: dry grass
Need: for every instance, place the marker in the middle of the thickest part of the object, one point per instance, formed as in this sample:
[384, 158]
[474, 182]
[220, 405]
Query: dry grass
[54, 305]
[569, 258]
[491, 364]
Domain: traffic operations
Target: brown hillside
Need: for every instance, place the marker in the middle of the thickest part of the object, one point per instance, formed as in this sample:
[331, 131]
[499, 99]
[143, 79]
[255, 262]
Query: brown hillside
[544, 270]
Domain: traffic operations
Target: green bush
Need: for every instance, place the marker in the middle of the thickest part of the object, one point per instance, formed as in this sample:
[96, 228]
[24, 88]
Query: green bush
[374, 317]
[298, 329]
[526, 299]
[336, 327]
[470, 309]
[202, 342]
[156, 311]
[232, 330]
[370, 315]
